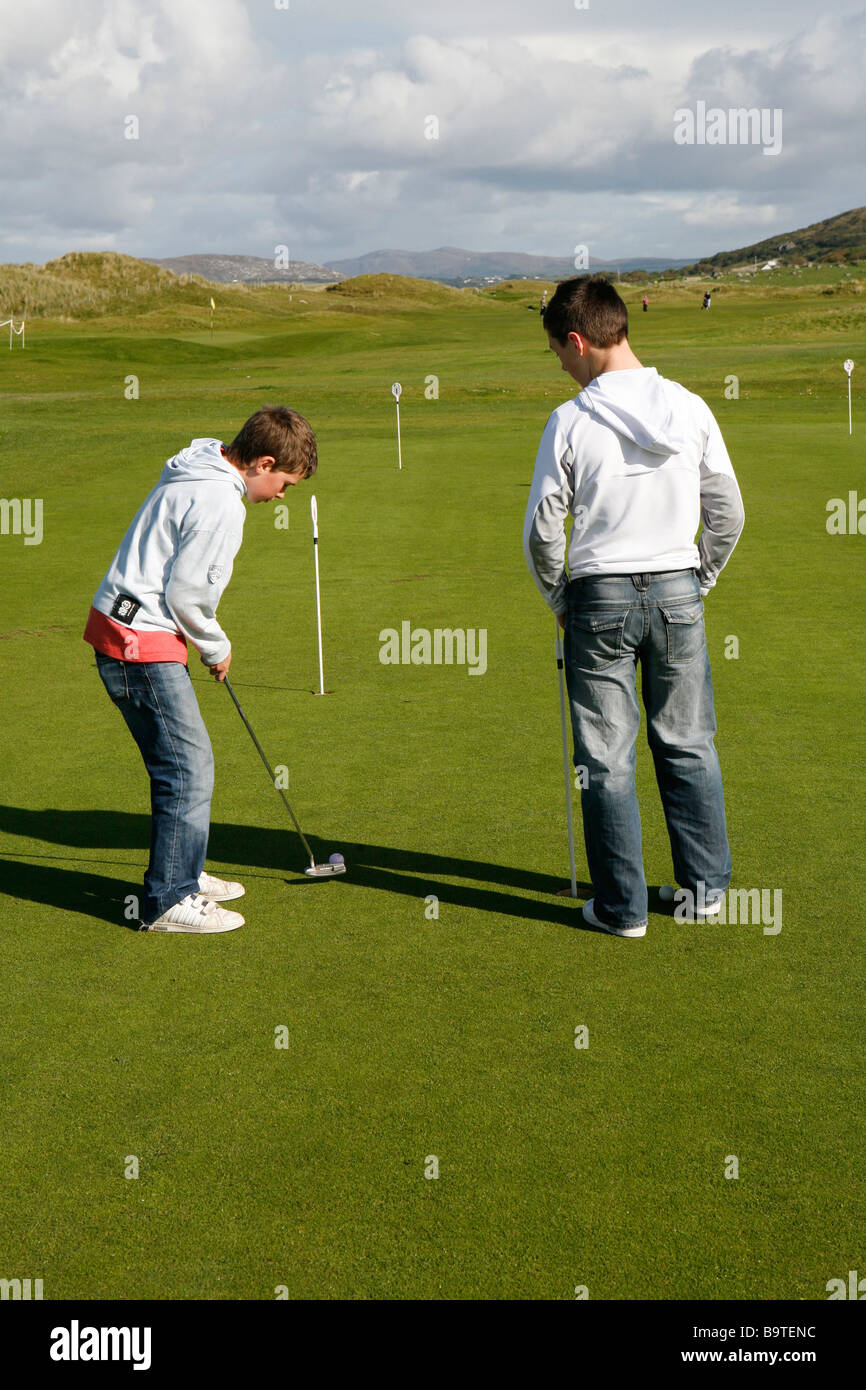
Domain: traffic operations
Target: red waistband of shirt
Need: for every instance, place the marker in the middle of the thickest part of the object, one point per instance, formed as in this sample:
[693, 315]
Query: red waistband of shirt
[127, 644]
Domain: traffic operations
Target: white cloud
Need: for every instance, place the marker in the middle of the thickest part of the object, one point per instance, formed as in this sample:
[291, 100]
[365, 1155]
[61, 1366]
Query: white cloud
[727, 210]
[555, 125]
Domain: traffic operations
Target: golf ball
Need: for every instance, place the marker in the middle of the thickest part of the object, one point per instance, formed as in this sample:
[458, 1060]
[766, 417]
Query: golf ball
[336, 859]
[666, 893]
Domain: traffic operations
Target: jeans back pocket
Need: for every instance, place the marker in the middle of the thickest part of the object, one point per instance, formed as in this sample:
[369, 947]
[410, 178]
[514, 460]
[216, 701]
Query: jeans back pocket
[684, 625]
[594, 640]
[113, 675]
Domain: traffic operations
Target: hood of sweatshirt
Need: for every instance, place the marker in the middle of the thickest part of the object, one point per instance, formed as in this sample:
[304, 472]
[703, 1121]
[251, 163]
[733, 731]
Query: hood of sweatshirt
[640, 405]
[202, 461]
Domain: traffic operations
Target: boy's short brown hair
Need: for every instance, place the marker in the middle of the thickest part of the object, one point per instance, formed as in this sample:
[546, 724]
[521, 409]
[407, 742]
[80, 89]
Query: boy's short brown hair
[588, 305]
[280, 432]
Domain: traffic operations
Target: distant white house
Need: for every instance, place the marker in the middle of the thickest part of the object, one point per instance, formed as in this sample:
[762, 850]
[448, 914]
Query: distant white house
[771, 265]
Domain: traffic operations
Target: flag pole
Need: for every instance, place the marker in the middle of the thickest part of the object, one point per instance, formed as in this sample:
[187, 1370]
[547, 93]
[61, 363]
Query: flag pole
[396, 391]
[849, 367]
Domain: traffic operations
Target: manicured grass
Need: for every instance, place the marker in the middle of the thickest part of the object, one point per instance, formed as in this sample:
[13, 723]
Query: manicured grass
[411, 1037]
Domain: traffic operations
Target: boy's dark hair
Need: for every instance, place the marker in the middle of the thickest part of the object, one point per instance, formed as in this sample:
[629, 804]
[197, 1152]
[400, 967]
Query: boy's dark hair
[588, 305]
[281, 432]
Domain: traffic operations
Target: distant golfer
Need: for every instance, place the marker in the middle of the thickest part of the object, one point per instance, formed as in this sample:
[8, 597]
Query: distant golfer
[707, 299]
[161, 591]
[645, 303]
[637, 461]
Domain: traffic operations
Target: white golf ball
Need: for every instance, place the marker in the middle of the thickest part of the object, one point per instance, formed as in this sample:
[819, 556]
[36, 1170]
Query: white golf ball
[666, 893]
[336, 859]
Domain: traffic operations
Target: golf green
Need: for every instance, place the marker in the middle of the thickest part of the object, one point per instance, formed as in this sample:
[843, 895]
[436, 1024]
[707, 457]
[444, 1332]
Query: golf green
[374, 1089]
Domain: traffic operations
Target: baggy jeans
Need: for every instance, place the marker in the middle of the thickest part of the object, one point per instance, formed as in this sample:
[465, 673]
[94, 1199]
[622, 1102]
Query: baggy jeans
[613, 624]
[157, 700]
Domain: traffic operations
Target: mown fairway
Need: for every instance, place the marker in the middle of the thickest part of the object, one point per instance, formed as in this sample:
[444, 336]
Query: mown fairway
[410, 1037]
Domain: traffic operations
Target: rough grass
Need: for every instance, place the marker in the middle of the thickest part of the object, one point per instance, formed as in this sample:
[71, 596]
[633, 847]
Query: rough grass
[82, 286]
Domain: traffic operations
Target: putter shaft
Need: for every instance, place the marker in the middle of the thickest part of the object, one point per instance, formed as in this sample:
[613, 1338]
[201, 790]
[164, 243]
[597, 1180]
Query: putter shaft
[271, 773]
[560, 665]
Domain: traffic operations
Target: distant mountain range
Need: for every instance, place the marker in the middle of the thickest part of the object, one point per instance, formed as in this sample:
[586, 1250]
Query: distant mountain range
[453, 265]
[839, 238]
[449, 264]
[246, 270]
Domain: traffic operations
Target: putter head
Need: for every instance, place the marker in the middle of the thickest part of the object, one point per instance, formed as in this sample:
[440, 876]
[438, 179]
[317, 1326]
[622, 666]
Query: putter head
[324, 870]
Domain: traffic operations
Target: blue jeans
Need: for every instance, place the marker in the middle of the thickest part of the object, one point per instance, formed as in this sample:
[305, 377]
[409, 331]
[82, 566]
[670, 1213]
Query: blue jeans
[613, 623]
[158, 702]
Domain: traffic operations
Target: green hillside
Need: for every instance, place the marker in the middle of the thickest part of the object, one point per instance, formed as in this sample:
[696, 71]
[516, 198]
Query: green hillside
[837, 239]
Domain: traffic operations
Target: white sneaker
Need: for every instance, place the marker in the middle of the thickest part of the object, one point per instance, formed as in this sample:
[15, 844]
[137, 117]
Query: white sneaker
[195, 913]
[637, 929]
[667, 893]
[220, 890]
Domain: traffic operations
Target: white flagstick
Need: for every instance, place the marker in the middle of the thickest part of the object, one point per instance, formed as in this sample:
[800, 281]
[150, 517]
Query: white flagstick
[849, 367]
[315, 515]
[560, 666]
[13, 329]
[396, 389]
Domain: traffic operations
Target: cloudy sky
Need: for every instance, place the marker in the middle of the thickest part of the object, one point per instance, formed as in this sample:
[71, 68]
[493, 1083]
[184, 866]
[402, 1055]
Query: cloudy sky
[307, 123]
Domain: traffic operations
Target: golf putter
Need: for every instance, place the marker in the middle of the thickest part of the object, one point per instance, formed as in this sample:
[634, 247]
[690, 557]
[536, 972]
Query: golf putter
[336, 864]
[566, 761]
[314, 512]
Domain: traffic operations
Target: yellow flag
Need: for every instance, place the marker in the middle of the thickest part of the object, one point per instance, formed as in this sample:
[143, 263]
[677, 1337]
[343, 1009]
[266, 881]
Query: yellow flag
[212, 305]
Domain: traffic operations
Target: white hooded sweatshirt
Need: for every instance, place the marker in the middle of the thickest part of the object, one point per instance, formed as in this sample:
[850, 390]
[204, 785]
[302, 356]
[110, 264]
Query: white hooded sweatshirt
[638, 461]
[176, 558]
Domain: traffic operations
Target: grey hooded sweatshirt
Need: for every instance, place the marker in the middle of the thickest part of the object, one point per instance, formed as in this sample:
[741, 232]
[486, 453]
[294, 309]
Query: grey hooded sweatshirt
[176, 557]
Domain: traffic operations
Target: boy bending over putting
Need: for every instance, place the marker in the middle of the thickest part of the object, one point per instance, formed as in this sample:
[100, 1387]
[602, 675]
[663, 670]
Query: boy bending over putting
[160, 593]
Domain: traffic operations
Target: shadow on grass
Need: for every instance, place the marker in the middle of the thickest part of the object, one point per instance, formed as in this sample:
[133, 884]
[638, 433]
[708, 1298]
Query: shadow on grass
[412, 873]
[70, 890]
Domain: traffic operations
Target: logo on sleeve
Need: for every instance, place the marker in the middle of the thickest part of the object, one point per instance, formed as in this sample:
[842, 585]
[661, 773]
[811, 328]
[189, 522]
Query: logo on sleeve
[215, 574]
[125, 608]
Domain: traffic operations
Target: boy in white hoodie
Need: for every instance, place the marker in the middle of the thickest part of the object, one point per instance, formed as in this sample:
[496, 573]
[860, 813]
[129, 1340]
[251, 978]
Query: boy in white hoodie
[160, 592]
[638, 462]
